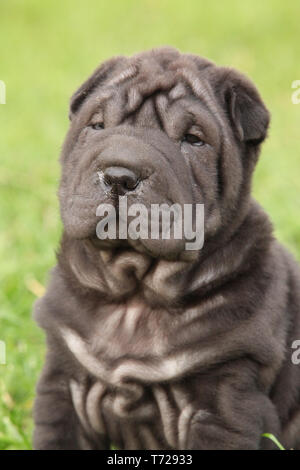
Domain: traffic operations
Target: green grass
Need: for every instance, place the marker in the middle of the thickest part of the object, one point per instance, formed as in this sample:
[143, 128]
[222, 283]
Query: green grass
[47, 49]
[275, 440]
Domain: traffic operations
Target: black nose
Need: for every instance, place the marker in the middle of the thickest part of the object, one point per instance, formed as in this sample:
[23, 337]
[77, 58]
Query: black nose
[120, 179]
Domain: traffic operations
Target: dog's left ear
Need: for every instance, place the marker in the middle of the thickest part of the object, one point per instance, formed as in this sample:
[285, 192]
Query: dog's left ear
[248, 116]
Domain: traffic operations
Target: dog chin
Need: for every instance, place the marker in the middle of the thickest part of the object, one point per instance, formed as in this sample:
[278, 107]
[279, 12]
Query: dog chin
[156, 249]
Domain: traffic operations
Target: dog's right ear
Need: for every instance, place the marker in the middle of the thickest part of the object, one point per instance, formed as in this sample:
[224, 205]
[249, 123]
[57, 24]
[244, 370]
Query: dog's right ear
[247, 114]
[98, 77]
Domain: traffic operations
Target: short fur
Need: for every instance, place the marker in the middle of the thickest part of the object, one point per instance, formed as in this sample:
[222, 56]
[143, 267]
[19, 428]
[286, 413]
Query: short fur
[151, 346]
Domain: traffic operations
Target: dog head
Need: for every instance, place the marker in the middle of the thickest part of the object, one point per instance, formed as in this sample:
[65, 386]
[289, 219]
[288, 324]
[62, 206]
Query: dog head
[161, 128]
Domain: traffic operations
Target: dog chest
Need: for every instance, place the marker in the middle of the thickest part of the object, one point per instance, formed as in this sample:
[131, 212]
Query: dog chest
[156, 417]
[134, 387]
[128, 394]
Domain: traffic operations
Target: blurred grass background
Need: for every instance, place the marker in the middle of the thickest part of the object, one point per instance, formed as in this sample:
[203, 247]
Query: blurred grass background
[47, 48]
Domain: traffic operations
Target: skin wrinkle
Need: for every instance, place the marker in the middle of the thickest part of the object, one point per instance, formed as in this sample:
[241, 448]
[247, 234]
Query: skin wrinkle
[198, 90]
[168, 416]
[85, 278]
[99, 77]
[163, 348]
[79, 349]
[131, 72]
[149, 438]
[144, 267]
[131, 437]
[292, 427]
[243, 260]
[184, 424]
[121, 259]
[160, 114]
[165, 410]
[170, 368]
[177, 92]
[159, 110]
[93, 408]
[114, 427]
[214, 111]
[77, 393]
[195, 314]
[220, 163]
[212, 108]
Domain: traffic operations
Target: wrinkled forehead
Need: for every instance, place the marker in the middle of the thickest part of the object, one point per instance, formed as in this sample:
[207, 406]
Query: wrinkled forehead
[144, 93]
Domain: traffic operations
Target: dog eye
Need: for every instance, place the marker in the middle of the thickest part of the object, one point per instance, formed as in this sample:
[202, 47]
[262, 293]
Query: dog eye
[97, 126]
[193, 139]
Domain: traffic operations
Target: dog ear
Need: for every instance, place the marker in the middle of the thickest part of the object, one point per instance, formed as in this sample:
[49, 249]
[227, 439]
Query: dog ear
[97, 78]
[248, 116]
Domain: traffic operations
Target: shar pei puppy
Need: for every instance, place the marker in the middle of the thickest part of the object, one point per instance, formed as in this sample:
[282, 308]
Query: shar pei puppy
[152, 344]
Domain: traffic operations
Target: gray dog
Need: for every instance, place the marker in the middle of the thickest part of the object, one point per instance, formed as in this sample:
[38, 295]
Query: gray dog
[152, 346]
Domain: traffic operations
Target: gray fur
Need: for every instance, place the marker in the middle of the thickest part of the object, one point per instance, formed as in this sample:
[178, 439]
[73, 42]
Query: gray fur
[151, 346]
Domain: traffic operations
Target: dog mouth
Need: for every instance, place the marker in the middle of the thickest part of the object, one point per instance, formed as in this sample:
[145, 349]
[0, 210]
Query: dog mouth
[157, 229]
[144, 231]
[150, 250]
